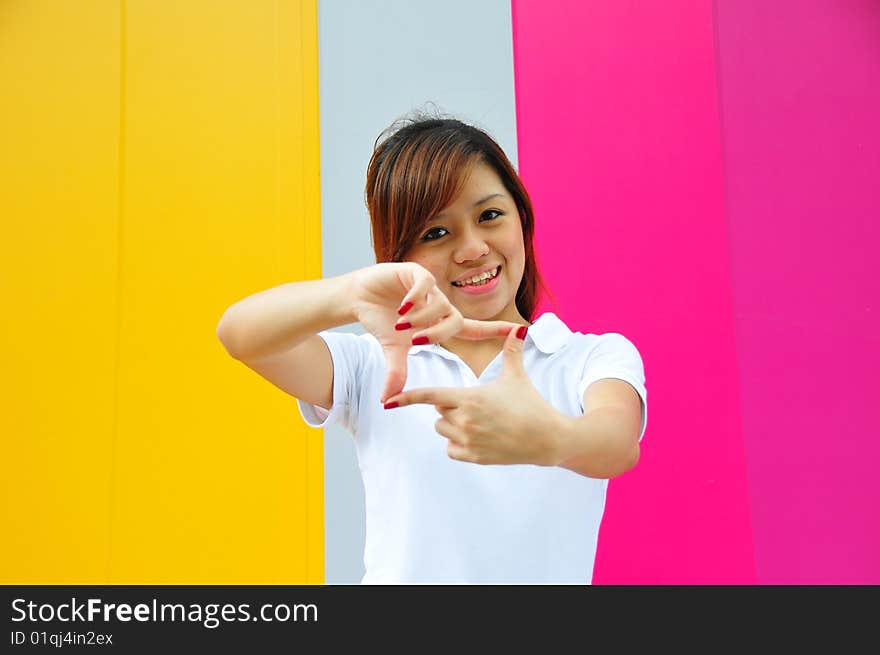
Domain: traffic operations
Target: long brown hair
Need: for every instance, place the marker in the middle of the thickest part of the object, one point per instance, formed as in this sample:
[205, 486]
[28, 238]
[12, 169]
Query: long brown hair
[419, 168]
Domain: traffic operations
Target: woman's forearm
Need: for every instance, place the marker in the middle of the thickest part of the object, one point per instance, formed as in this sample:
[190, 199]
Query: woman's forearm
[600, 444]
[279, 318]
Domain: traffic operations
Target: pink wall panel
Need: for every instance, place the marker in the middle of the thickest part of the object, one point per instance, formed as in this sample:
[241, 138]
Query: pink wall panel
[619, 145]
[800, 99]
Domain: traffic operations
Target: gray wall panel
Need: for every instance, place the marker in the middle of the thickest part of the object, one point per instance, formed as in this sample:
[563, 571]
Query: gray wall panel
[379, 60]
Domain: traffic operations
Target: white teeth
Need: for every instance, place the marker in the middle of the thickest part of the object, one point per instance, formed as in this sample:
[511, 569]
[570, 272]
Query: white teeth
[477, 278]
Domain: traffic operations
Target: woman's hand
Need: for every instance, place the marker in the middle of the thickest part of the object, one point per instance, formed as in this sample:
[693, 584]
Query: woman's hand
[383, 293]
[504, 422]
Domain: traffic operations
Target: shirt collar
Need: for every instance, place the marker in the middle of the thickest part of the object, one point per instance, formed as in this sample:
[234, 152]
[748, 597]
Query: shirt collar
[548, 333]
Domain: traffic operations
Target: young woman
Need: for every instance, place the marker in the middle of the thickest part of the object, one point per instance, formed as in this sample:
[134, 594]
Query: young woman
[452, 379]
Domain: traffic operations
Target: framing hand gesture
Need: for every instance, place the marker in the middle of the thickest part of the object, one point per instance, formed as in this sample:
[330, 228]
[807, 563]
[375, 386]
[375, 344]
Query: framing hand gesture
[400, 304]
[503, 422]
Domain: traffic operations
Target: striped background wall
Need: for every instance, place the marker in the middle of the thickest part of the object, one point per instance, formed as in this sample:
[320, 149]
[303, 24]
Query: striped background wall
[800, 99]
[705, 182]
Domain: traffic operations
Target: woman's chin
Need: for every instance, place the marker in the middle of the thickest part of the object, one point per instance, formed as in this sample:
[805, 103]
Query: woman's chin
[486, 313]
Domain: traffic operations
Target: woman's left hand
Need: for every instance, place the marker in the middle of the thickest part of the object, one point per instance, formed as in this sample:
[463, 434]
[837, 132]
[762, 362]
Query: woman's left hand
[504, 422]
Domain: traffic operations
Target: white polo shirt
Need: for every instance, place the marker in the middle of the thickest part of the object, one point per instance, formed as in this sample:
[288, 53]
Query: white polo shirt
[434, 520]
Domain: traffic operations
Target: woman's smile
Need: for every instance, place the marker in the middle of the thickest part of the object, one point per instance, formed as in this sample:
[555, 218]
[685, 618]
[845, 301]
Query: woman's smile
[485, 284]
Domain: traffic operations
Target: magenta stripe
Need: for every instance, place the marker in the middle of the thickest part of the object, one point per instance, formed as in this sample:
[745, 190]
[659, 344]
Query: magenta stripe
[619, 145]
[801, 101]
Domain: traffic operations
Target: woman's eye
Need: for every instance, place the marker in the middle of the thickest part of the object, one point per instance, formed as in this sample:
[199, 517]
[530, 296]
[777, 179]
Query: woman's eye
[431, 235]
[437, 232]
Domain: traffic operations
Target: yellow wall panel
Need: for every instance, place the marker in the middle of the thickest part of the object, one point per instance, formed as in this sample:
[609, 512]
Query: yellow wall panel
[160, 162]
[212, 479]
[300, 236]
[59, 129]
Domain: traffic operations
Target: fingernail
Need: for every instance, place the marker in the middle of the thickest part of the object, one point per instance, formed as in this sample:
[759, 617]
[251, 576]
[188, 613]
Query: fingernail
[390, 405]
[420, 341]
[404, 308]
[403, 326]
[521, 332]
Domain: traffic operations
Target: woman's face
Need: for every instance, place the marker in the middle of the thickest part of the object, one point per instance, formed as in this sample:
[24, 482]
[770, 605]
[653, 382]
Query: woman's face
[479, 232]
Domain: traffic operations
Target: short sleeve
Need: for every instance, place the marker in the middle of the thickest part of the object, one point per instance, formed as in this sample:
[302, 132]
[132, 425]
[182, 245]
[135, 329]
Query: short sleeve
[349, 354]
[615, 356]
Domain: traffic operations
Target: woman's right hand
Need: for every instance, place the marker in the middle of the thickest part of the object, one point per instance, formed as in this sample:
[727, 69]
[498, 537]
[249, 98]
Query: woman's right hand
[379, 294]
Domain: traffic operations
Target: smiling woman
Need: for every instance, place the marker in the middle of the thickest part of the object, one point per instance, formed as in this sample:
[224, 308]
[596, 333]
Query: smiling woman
[474, 251]
[454, 375]
[416, 173]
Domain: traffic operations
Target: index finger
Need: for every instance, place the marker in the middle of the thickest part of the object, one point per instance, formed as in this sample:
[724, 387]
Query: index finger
[474, 329]
[440, 396]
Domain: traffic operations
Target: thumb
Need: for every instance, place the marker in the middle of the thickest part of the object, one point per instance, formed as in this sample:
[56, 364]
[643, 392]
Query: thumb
[395, 378]
[512, 362]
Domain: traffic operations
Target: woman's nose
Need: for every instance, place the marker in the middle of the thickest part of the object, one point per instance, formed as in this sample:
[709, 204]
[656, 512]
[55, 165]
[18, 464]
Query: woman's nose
[472, 247]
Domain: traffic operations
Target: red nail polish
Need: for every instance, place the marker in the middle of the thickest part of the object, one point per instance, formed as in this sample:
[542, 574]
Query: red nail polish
[390, 405]
[405, 308]
[521, 332]
[420, 341]
[403, 326]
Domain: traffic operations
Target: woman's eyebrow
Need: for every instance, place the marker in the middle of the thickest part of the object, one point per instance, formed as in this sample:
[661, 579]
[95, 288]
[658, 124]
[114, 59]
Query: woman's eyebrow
[476, 204]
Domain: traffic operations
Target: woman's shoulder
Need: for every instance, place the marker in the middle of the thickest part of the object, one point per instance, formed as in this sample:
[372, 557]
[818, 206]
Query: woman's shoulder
[354, 343]
[551, 334]
[353, 335]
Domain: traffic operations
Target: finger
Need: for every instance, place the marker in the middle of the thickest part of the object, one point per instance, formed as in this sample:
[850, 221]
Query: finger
[445, 428]
[424, 315]
[395, 377]
[440, 396]
[460, 453]
[446, 327]
[422, 283]
[512, 359]
[474, 329]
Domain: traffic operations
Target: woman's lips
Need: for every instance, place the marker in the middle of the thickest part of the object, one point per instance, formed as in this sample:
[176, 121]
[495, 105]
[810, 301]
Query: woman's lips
[488, 287]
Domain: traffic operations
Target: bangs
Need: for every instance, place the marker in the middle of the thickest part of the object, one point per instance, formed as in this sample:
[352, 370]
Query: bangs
[432, 177]
[425, 177]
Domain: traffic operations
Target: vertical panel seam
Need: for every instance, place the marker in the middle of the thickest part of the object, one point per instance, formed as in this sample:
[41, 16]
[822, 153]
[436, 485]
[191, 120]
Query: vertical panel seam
[120, 209]
[725, 208]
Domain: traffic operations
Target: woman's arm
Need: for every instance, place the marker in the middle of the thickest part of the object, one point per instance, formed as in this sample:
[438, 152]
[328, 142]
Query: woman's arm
[509, 422]
[604, 441]
[274, 333]
[276, 320]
